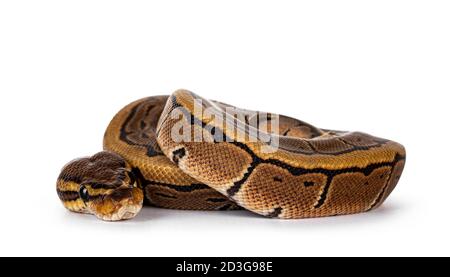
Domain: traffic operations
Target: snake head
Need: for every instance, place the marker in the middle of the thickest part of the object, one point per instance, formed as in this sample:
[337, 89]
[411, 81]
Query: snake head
[102, 185]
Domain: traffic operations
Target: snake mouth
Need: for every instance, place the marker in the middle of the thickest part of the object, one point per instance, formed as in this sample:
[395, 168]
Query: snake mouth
[122, 204]
[123, 213]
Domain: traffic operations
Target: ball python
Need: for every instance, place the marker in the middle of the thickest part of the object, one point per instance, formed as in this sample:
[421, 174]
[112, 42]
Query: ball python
[309, 172]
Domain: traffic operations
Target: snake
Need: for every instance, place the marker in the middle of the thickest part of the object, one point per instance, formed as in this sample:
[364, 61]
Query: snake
[288, 170]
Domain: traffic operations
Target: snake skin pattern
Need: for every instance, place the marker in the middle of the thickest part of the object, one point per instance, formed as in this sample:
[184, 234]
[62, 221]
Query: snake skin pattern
[311, 173]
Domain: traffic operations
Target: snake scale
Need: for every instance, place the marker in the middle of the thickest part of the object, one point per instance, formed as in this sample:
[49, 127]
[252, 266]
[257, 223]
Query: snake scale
[310, 172]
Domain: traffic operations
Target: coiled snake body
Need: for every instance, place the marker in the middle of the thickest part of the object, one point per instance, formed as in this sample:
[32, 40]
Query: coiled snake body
[310, 173]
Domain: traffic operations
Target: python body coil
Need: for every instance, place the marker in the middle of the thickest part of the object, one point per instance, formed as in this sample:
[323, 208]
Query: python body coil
[310, 172]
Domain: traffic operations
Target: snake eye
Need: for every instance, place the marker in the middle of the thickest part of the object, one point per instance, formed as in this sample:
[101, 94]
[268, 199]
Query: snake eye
[84, 194]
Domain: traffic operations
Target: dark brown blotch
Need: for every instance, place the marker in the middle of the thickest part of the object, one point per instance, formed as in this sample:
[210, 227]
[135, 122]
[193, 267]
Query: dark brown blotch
[104, 170]
[277, 179]
[178, 154]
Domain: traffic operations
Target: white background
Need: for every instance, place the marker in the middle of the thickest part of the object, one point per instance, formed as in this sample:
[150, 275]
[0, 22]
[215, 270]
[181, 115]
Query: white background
[66, 67]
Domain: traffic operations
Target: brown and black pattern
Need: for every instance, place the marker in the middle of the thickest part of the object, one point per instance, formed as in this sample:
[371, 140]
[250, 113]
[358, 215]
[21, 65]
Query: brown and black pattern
[139, 127]
[313, 172]
[131, 134]
[330, 174]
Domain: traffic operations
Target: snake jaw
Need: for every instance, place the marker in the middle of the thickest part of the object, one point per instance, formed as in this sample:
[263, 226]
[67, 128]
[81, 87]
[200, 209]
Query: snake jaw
[121, 204]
